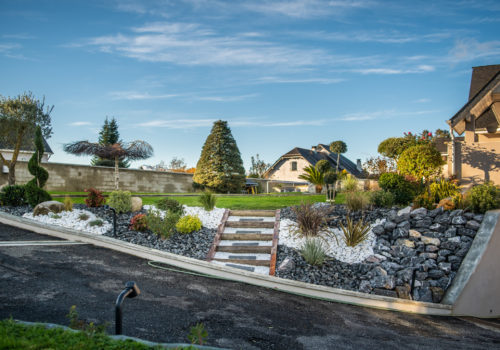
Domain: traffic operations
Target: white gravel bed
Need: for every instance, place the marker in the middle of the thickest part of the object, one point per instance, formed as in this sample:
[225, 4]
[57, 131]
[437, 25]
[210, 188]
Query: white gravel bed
[338, 250]
[71, 219]
[209, 219]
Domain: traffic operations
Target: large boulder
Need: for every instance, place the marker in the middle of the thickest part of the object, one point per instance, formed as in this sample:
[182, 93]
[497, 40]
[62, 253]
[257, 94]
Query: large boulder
[136, 203]
[48, 207]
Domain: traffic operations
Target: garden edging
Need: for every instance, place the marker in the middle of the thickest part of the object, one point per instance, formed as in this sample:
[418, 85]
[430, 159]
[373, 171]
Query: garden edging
[285, 285]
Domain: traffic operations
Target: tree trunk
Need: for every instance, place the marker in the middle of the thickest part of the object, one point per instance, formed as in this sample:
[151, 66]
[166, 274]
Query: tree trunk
[12, 174]
[117, 176]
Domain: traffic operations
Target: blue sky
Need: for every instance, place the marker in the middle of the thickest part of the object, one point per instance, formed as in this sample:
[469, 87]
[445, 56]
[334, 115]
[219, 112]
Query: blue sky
[282, 73]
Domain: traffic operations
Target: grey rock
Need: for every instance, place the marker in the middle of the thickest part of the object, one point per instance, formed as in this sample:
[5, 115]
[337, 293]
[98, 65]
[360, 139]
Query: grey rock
[418, 212]
[450, 232]
[287, 265]
[399, 233]
[431, 249]
[435, 273]
[405, 242]
[385, 292]
[421, 275]
[405, 274]
[443, 218]
[378, 230]
[456, 212]
[437, 294]
[429, 264]
[365, 287]
[454, 259]
[47, 207]
[404, 211]
[405, 225]
[458, 220]
[436, 212]
[437, 227]
[401, 218]
[423, 294]
[444, 252]
[446, 267]
[389, 226]
[478, 217]
[424, 223]
[466, 231]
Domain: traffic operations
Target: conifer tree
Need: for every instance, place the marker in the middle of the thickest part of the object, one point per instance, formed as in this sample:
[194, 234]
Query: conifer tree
[109, 135]
[220, 167]
[34, 188]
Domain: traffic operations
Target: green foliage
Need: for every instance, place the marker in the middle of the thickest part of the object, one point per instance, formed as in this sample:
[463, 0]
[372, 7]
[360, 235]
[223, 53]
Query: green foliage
[121, 201]
[356, 201]
[461, 201]
[402, 189]
[83, 217]
[35, 195]
[88, 328]
[12, 195]
[55, 216]
[313, 251]
[169, 204]
[354, 232]
[313, 176]
[330, 177]
[310, 220]
[19, 118]
[94, 198]
[323, 166]
[376, 166]
[197, 334]
[97, 222]
[382, 199]
[109, 135]
[68, 204]
[139, 223]
[424, 200]
[394, 146]
[207, 200]
[258, 167]
[163, 227]
[338, 147]
[485, 197]
[442, 188]
[420, 161]
[188, 224]
[350, 184]
[220, 167]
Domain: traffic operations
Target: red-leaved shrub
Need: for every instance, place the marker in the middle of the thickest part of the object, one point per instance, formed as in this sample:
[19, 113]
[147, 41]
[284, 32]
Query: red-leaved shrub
[139, 223]
[94, 198]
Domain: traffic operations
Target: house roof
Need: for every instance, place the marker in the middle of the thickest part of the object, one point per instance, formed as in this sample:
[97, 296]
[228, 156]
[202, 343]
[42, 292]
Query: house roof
[484, 80]
[27, 145]
[314, 156]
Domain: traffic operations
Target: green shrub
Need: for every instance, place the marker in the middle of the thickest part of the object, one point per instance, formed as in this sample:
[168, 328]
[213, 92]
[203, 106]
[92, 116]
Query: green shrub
[356, 201]
[442, 189]
[197, 334]
[163, 227]
[55, 216]
[354, 233]
[310, 220]
[97, 222]
[12, 196]
[83, 217]
[423, 200]
[35, 195]
[121, 201]
[382, 199]
[420, 161]
[68, 204]
[207, 200]
[94, 198]
[188, 224]
[169, 204]
[139, 223]
[461, 201]
[313, 251]
[402, 189]
[350, 184]
[485, 197]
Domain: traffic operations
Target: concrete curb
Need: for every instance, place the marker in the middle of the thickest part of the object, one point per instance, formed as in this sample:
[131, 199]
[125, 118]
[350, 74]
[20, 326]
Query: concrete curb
[280, 284]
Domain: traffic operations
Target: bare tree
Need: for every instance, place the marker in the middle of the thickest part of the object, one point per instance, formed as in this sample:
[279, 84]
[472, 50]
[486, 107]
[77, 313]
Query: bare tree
[133, 150]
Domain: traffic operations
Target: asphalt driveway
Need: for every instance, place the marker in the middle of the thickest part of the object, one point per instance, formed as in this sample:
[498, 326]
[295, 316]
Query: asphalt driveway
[41, 283]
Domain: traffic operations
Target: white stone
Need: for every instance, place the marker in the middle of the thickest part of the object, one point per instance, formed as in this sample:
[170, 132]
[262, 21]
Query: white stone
[404, 211]
[136, 203]
[209, 219]
[71, 219]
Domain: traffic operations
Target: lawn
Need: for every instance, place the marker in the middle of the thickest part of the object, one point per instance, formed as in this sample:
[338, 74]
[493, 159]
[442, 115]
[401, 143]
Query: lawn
[271, 201]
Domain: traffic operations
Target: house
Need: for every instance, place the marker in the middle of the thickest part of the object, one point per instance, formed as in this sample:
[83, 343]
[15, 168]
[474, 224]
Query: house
[475, 156]
[26, 151]
[290, 166]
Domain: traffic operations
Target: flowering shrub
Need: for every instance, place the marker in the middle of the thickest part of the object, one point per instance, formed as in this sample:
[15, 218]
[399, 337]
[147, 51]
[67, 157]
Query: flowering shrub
[94, 198]
[139, 223]
[188, 224]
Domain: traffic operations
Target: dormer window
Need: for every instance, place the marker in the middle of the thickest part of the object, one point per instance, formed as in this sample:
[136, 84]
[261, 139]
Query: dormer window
[294, 166]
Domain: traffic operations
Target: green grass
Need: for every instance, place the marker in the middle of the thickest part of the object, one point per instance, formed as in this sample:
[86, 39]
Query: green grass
[15, 336]
[271, 201]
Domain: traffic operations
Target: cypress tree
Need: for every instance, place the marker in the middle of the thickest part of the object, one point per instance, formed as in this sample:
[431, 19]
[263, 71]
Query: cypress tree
[34, 188]
[220, 167]
[109, 135]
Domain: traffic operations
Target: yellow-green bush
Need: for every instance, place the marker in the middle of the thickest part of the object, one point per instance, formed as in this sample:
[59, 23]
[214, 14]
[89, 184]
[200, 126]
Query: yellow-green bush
[121, 201]
[188, 224]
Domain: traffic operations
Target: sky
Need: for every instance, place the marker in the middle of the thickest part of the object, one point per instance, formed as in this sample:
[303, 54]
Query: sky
[284, 74]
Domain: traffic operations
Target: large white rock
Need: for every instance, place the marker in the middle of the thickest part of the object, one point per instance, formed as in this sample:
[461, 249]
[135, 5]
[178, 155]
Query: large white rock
[136, 203]
[48, 207]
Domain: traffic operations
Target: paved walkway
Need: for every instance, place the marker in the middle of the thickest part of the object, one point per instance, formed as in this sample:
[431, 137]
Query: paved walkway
[41, 282]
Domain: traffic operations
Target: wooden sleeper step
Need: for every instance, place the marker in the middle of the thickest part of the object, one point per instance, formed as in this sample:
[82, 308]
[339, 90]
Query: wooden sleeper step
[250, 224]
[265, 213]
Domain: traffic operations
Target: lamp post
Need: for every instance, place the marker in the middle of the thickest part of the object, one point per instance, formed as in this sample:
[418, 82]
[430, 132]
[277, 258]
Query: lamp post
[107, 207]
[131, 291]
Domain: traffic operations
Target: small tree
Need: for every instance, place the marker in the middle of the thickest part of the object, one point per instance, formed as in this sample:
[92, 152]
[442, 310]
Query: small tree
[177, 164]
[421, 161]
[313, 176]
[109, 135]
[338, 147]
[220, 167]
[330, 178]
[18, 119]
[323, 166]
[134, 150]
[34, 188]
[258, 167]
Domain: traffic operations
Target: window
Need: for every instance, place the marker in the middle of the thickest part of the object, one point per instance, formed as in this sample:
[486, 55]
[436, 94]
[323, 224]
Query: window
[294, 166]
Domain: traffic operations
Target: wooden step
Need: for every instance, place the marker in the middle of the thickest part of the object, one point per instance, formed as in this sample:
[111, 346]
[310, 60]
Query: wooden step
[266, 213]
[250, 224]
[245, 262]
[247, 236]
[244, 249]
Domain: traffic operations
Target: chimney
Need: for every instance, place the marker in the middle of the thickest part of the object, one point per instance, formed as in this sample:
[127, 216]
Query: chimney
[314, 148]
[358, 165]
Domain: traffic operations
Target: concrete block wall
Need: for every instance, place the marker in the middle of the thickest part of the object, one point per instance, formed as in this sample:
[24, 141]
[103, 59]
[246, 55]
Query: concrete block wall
[73, 177]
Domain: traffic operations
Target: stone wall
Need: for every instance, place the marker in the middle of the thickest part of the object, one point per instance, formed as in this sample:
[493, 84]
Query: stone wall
[72, 177]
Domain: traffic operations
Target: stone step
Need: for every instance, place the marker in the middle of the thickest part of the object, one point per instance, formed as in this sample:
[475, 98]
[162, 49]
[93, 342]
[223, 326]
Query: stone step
[247, 236]
[250, 218]
[243, 258]
[245, 246]
[248, 230]
[250, 224]
[251, 268]
[268, 213]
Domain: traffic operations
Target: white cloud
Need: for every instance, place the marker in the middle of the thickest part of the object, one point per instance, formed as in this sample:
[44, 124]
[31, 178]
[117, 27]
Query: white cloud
[384, 37]
[207, 122]
[225, 98]
[177, 123]
[80, 123]
[278, 80]
[422, 100]
[390, 71]
[134, 95]
[471, 49]
[384, 114]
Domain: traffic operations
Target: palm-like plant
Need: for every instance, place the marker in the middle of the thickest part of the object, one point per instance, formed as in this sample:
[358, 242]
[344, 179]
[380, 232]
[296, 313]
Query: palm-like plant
[313, 176]
[338, 147]
[133, 150]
